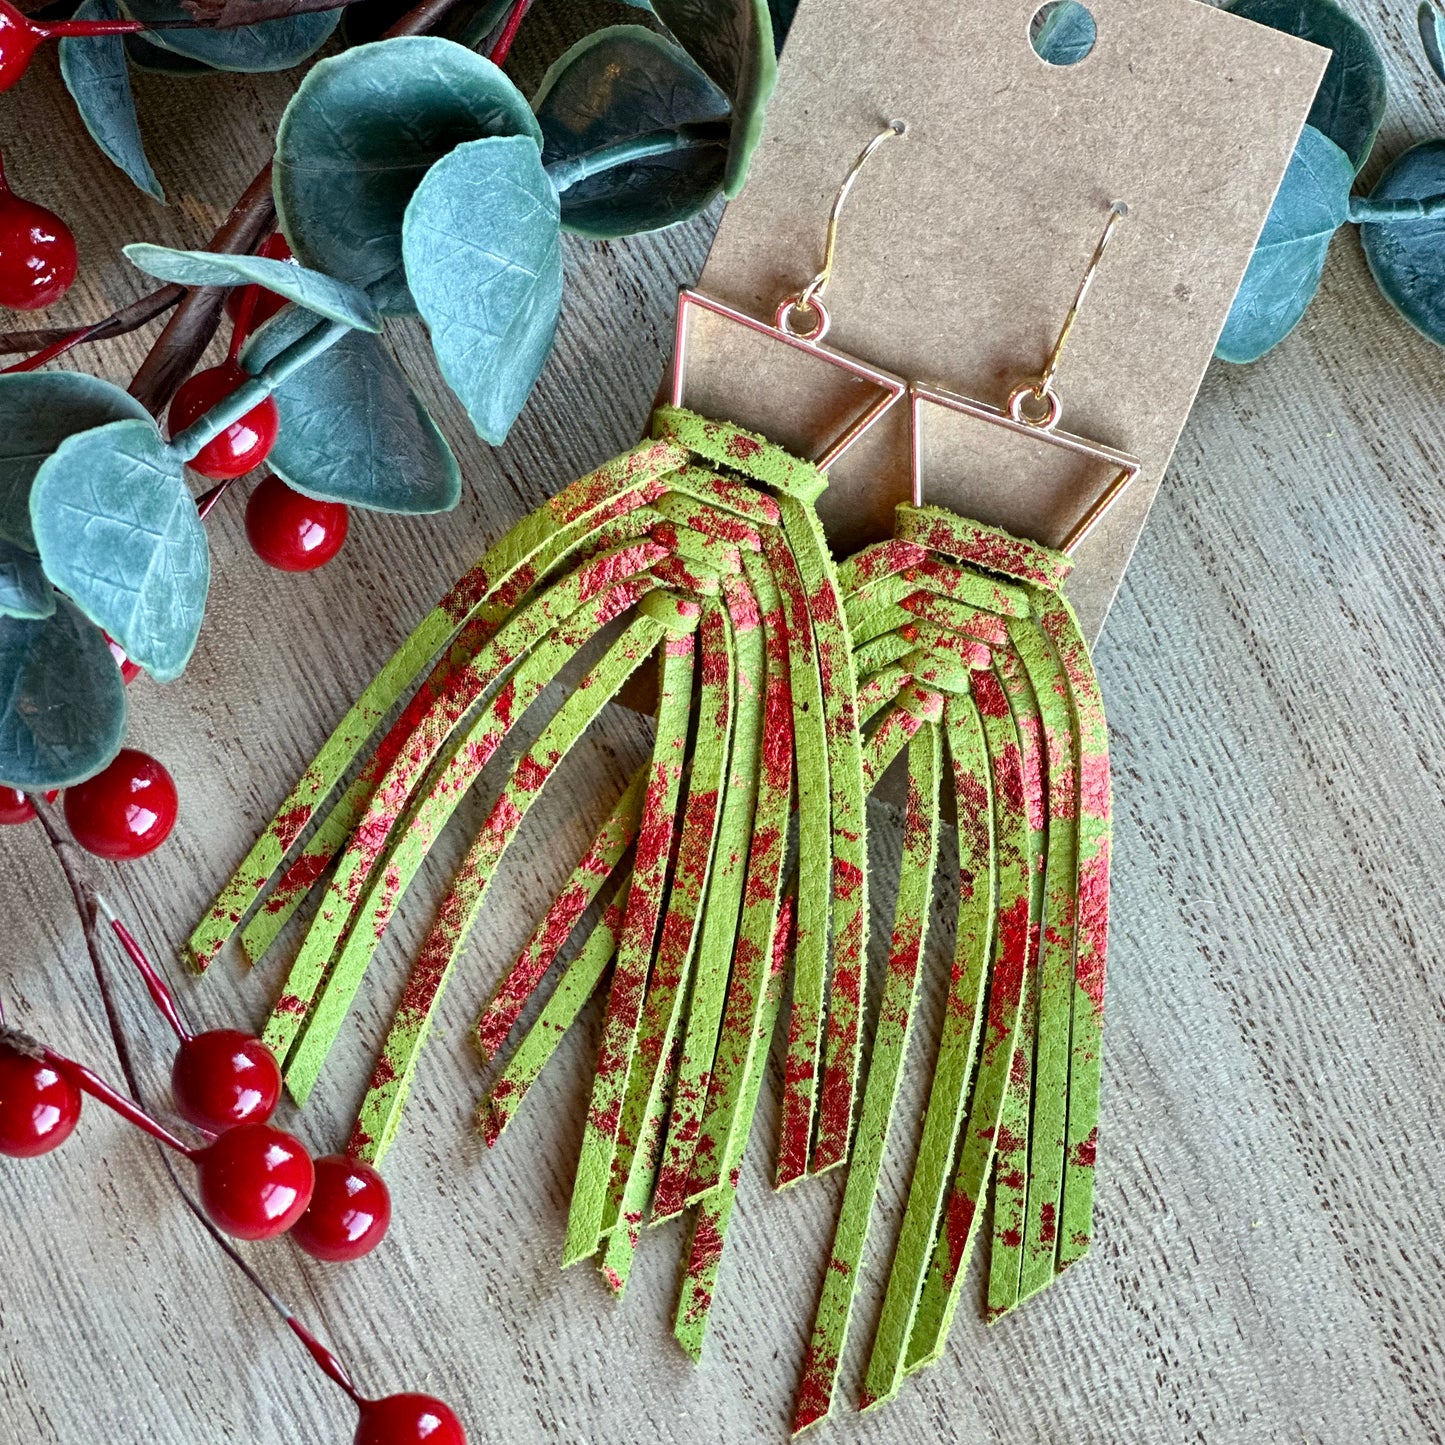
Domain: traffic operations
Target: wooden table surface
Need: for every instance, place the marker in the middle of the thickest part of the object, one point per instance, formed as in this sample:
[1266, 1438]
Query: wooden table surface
[1268, 1266]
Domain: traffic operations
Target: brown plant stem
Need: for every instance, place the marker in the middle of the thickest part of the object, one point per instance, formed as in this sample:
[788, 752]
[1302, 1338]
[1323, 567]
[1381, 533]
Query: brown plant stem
[118, 323]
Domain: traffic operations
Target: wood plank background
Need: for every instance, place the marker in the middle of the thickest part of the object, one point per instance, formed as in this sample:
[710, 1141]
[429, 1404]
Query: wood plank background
[1272, 1161]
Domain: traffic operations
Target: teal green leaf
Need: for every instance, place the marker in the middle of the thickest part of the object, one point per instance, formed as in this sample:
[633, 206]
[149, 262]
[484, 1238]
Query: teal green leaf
[24, 592]
[1432, 35]
[352, 428]
[1284, 272]
[615, 86]
[319, 293]
[1350, 103]
[1067, 35]
[732, 40]
[482, 242]
[1407, 257]
[38, 410]
[472, 27]
[118, 532]
[62, 701]
[359, 135]
[95, 73]
[145, 56]
[272, 45]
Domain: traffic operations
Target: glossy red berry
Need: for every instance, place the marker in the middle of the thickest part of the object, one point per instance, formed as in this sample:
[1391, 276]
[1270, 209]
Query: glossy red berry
[350, 1211]
[245, 443]
[37, 253]
[126, 811]
[255, 1180]
[409, 1420]
[268, 303]
[224, 1078]
[15, 807]
[39, 1107]
[129, 670]
[18, 42]
[292, 532]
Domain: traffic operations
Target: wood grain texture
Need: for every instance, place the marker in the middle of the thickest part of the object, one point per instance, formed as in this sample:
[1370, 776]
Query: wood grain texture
[1270, 1248]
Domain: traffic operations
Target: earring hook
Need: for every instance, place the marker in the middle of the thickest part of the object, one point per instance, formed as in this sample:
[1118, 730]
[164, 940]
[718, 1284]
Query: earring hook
[810, 299]
[1042, 390]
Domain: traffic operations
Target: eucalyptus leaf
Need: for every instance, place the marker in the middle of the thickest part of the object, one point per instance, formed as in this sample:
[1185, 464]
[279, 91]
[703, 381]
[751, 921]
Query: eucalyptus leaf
[358, 136]
[732, 40]
[24, 592]
[352, 428]
[614, 86]
[271, 45]
[782, 13]
[118, 532]
[472, 27]
[1350, 103]
[145, 56]
[313, 290]
[96, 75]
[1067, 35]
[1432, 35]
[1284, 272]
[482, 242]
[62, 701]
[38, 410]
[1407, 257]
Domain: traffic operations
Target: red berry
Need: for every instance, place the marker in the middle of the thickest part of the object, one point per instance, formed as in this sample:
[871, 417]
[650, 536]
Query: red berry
[255, 1181]
[268, 303]
[224, 1078]
[18, 41]
[126, 811]
[245, 443]
[408, 1420]
[292, 532]
[350, 1211]
[37, 251]
[38, 1106]
[15, 807]
[129, 670]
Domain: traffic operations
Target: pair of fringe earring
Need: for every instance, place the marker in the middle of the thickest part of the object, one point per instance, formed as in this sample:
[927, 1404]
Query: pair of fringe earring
[733, 867]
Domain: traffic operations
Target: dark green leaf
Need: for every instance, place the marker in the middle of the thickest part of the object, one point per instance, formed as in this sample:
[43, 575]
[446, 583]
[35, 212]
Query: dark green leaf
[24, 592]
[472, 27]
[118, 532]
[614, 86]
[1350, 103]
[352, 428]
[1067, 35]
[1407, 257]
[62, 701]
[38, 410]
[272, 45]
[782, 12]
[315, 291]
[733, 42]
[358, 136]
[1432, 35]
[145, 56]
[1284, 273]
[482, 242]
[94, 70]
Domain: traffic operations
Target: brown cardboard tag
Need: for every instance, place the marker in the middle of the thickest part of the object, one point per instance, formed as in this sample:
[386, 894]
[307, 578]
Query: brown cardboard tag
[963, 244]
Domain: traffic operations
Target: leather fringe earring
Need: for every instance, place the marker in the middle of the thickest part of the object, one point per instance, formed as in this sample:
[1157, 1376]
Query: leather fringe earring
[969, 657]
[700, 548]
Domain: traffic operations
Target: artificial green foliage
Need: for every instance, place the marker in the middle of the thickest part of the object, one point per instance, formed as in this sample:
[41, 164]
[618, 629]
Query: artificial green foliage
[24, 592]
[1350, 103]
[118, 532]
[62, 701]
[1284, 272]
[482, 246]
[352, 429]
[94, 70]
[38, 410]
[627, 84]
[1067, 34]
[316, 292]
[151, 58]
[271, 45]
[1432, 35]
[359, 135]
[1407, 253]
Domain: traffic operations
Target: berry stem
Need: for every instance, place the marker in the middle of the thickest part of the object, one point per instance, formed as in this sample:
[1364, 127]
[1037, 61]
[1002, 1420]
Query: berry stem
[241, 327]
[49, 353]
[128, 318]
[89, 1082]
[60, 29]
[164, 999]
[513, 23]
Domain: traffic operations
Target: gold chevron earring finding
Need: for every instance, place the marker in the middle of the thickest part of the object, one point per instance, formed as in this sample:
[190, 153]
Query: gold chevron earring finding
[968, 655]
[699, 549]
